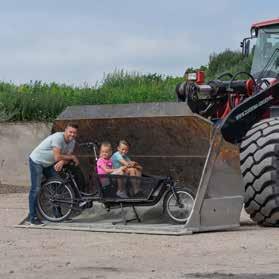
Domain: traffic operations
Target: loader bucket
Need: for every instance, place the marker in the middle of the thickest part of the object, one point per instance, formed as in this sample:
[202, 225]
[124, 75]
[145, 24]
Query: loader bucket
[168, 139]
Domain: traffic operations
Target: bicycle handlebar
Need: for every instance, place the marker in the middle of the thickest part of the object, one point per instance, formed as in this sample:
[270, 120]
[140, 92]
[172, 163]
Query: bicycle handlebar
[92, 146]
[89, 144]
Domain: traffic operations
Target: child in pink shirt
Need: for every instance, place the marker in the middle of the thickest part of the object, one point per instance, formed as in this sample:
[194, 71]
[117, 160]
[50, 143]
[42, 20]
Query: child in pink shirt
[104, 166]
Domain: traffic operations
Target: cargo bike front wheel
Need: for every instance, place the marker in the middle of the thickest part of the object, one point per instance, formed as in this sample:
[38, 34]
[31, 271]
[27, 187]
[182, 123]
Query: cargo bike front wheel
[178, 205]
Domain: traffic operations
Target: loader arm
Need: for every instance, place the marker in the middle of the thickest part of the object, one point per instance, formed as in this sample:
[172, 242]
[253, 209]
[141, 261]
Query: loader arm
[251, 111]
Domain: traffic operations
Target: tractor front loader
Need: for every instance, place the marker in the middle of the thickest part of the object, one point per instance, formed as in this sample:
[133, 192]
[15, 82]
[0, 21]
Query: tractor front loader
[247, 113]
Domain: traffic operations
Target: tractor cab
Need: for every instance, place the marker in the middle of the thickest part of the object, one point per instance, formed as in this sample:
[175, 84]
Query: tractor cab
[265, 50]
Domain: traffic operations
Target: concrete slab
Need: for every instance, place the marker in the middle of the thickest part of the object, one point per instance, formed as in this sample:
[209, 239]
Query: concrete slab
[109, 228]
[97, 219]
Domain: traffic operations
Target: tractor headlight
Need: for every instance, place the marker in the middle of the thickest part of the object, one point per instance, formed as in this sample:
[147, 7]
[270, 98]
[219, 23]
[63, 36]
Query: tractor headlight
[192, 76]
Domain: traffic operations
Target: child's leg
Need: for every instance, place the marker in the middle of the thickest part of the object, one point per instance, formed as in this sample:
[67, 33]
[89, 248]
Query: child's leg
[120, 182]
[136, 182]
[131, 171]
[137, 172]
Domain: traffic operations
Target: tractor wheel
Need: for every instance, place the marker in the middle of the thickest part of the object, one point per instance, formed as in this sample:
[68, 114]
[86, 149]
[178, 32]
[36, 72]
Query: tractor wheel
[259, 160]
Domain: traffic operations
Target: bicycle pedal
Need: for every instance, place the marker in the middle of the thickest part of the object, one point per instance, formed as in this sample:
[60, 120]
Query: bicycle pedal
[89, 204]
[85, 204]
[82, 204]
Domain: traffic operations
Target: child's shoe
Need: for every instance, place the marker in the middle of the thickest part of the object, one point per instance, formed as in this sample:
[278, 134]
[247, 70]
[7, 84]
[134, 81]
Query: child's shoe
[121, 195]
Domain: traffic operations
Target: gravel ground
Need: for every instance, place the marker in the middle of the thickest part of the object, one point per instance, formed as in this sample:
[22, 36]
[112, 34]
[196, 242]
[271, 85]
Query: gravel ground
[249, 252]
[6, 189]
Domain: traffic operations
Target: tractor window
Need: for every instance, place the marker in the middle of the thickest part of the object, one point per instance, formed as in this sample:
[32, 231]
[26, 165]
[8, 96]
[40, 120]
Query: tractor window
[267, 43]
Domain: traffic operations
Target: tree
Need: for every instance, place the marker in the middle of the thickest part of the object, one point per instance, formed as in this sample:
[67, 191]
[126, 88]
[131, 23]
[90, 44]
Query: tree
[227, 61]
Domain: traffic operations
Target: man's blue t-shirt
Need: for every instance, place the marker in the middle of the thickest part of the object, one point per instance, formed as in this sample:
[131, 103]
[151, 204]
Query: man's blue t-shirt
[116, 157]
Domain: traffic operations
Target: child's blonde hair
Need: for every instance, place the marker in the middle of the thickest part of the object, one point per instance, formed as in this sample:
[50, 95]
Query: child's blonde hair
[105, 144]
[124, 142]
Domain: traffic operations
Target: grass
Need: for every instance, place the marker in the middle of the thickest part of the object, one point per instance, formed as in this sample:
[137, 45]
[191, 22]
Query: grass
[38, 101]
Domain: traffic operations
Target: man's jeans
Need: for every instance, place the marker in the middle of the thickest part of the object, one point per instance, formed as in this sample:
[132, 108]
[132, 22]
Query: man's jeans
[37, 171]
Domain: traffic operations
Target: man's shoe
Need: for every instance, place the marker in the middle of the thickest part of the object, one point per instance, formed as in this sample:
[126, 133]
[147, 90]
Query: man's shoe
[36, 221]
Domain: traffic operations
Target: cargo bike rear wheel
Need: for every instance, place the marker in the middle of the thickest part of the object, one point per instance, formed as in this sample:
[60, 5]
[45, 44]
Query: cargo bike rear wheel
[56, 200]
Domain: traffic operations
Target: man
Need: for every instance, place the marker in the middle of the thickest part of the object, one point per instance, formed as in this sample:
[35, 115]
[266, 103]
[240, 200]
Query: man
[47, 159]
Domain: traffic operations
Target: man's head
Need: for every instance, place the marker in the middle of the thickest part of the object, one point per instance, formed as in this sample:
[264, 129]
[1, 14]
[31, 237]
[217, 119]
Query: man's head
[70, 132]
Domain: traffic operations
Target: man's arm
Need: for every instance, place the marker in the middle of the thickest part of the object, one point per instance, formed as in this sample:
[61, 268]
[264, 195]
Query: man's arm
[59, 157]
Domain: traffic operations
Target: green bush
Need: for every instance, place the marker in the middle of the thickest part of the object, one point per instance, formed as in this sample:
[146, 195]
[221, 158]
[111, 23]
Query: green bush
[227, 61]
[43, 102]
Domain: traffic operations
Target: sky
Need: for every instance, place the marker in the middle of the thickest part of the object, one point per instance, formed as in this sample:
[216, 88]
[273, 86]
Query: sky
[78, 42]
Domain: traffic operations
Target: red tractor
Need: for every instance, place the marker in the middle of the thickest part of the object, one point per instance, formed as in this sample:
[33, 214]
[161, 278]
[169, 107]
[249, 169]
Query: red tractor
[247, 112]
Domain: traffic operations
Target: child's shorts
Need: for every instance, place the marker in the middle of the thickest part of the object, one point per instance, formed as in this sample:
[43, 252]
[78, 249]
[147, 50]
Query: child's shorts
[117, 171]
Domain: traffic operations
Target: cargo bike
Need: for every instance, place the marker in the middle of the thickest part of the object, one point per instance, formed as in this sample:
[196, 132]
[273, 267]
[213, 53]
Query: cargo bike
[60, 198]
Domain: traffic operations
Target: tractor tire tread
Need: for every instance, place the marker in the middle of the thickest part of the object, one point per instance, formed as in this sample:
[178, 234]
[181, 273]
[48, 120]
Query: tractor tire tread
[259, 160]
